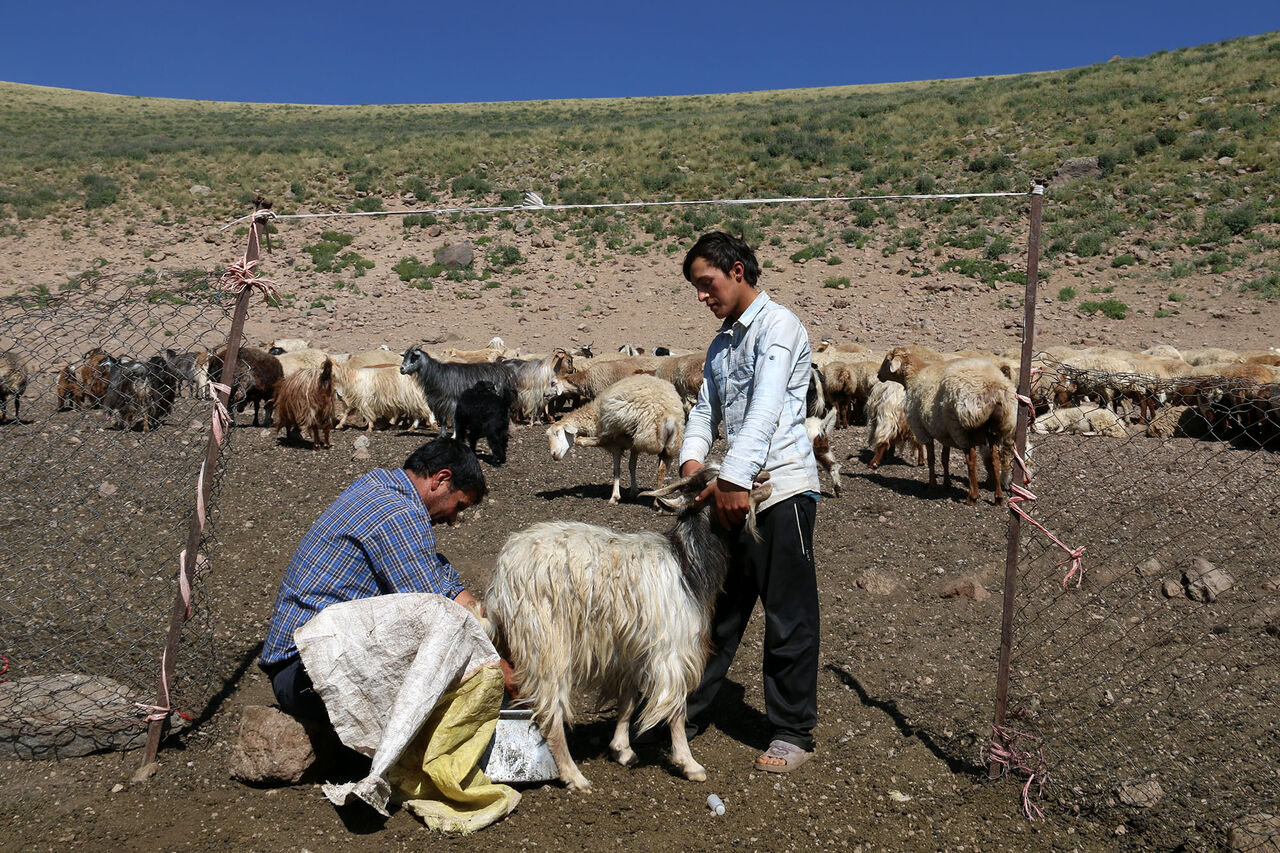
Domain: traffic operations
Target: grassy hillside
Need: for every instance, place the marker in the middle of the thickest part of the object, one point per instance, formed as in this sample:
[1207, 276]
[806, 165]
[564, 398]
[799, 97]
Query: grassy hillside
[1186, 140]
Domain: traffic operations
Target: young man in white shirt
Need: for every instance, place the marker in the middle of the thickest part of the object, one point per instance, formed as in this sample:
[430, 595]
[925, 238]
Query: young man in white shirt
[754, 384]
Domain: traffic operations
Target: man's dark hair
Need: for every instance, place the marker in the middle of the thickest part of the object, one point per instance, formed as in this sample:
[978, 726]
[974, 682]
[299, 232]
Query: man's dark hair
[722, 251]
[442, 453]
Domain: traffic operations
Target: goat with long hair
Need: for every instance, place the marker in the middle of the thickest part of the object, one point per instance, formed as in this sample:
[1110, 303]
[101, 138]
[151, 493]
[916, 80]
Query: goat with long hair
[305, 403]
[575, 606]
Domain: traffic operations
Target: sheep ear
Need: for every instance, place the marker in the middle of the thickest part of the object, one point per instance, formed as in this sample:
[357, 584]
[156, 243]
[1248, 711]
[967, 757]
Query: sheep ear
[895, 365]
[571, 430]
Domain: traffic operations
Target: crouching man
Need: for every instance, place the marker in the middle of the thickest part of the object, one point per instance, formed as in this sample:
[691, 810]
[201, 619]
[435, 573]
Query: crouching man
[375, 539]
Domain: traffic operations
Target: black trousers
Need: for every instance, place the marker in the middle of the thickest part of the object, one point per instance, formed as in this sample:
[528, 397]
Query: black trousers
[779, 572]
[295, 693]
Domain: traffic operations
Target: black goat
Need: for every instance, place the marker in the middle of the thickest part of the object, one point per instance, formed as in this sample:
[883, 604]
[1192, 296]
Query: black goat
[444, 382]
[255, 379]
[483, 412]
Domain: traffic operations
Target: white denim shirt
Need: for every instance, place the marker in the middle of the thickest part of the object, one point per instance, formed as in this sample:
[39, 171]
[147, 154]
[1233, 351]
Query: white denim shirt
[754, 383]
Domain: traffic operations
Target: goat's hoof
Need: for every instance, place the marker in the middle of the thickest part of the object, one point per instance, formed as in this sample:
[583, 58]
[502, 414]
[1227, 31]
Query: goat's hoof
[696, 773]
[970, 502]
[625, 757]
[581, 784]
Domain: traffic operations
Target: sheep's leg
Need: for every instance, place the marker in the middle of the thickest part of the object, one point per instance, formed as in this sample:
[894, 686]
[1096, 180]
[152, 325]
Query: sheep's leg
[680, 754]
[617, 476]
[919, 451]
[880, 450]
[834, 469]
[662, 471]
[971, 457]
[569, 772]
[946, 466]
[632, 468]
[933, 477]
[995, 473]
[620, 745]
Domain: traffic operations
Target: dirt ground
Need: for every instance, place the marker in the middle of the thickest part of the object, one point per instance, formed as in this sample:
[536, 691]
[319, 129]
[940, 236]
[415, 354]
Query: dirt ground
[893, 771]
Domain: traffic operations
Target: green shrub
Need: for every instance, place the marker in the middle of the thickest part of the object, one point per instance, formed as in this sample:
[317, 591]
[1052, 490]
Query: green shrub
[1123, 260]
[837, 282]
[999, 246]
[1240, 219]
[421, 220]
[809, 252]
[1066, 294]
[1113, 308]
[505, 256]
[866, 218]
[470, 183]
[925, 184]
[1166, 136]
[1175, 296]
[1227, 149]
[1145, 145]
[1266, 287]
[99, 191]
[983, 270]
[368, 204]
[1088, 245]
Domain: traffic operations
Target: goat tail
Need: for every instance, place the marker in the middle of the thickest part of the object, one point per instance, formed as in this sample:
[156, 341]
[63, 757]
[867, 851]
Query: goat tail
[326, 374]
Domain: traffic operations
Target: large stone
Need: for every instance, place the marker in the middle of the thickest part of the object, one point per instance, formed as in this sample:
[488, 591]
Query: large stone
[1204, 582]
[1142, 795]
[63, 716]
[877, 582]
[1077, 168]
[964, 588]
[457, 256]
[273, 747]
[1257, 833]
[200, 190]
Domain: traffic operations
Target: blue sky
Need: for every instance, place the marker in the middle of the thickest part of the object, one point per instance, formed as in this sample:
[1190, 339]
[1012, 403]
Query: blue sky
[428, 52]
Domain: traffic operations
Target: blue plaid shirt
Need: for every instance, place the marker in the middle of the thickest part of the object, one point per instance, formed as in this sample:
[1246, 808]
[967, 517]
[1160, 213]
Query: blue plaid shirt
[374, 539]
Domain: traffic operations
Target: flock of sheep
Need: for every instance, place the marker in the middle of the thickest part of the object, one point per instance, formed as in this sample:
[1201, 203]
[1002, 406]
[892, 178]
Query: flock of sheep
[911, 397]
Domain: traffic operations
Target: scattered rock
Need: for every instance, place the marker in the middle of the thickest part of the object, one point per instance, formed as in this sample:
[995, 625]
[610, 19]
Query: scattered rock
[1171, 589]
[964, 588]
[107, 489]
[199, 190]
[542, 243]
[877, 582]
[212, 235]
[1204, 582]
[1142, 795]
[272, 748]
[524, 226]
[144, 772]
[457, 256]
[1149, 568]
[1257, 833]
[434, 231]
[156, 257]
[117, 788]
[64, 716]
[1077, 168]
[361, 442]
[361, 453]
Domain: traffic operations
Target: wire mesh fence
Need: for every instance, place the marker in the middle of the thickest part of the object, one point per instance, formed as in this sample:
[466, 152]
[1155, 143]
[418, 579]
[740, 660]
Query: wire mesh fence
[1147, 687]
[97, 485]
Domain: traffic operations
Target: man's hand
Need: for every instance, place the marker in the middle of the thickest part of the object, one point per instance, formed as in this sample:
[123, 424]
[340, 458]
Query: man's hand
[691, 467]
[509, 678]
[732, 502]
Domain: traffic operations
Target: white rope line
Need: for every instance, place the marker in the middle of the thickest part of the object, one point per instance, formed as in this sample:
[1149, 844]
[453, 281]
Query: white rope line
[532, 201]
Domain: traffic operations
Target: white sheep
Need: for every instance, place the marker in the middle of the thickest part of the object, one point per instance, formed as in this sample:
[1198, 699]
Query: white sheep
[380, 392]
[1085, 419]
[576, 607]
[965, 404]
[887, 426]
[291, 361]
[640, 413]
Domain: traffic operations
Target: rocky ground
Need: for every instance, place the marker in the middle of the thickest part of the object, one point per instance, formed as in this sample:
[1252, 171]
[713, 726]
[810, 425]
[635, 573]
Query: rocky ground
[909, 579]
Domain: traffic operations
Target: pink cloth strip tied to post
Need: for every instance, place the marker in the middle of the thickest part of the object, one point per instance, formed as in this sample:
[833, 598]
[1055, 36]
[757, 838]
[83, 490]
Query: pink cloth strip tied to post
[1021, 494]
[240, 276]
[1001, 750]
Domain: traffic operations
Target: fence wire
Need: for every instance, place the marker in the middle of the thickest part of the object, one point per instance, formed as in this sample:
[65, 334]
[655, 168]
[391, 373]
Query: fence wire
[1150, 689]
[98, 491]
